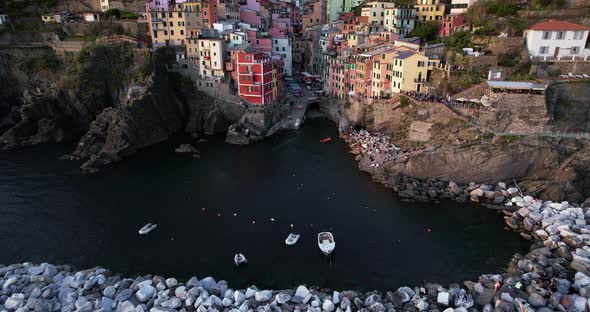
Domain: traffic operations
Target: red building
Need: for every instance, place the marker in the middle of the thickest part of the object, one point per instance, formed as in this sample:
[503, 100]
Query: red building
[258, 79]
[450, 24]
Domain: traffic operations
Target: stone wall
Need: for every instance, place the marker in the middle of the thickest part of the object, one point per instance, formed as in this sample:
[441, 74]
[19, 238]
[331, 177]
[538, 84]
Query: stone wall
[549, 69]
[499, 45]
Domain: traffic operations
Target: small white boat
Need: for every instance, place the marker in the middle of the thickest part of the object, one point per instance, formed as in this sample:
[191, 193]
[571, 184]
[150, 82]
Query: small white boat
[147, 228]
[292, 239]
[240, 259]
[326, 242]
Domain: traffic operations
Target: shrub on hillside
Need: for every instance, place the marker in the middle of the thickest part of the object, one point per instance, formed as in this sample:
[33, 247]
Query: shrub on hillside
[404, 101]
[425, 30]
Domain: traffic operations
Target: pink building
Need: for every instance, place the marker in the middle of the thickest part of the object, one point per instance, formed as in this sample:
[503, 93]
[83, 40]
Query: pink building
[250, 4]
[262, 44]
[250, 16]
[449, 24]
[276, 32]
[282, 21]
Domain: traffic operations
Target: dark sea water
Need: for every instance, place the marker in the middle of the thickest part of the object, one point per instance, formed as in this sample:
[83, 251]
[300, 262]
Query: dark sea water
[50, 212]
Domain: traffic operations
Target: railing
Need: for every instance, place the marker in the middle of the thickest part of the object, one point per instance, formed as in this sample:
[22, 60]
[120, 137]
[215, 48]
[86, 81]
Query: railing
[419, 80]
[561, 58]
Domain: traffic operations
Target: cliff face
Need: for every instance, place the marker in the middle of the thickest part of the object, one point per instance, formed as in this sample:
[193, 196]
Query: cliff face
[119, 131]
[51, 100]
[99, 97]
[446, 147]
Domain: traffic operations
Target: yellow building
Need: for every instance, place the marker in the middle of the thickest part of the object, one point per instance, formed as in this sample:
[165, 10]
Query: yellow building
[167, 28]
[194, 18]
[410, 70]
[313, 14]
[429, 10]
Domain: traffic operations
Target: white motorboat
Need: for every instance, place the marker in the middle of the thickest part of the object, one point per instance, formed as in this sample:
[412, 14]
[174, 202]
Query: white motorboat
[326, 242]
[147, 228]
[240, 259]
[292, 239]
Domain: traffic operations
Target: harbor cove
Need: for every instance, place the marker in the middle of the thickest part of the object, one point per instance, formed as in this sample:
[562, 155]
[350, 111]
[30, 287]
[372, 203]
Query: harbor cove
[243, 199]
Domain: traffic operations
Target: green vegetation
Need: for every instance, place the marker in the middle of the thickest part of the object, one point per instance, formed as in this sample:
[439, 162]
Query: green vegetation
[97, 72]
[347, 104]
[41, 62]
[118, 14]
[404, 2]
[426, 30]
[546, 4]
[521, 77]
[458, 40]
[554, 72]
[129, 15]
[357, 10]
[490, 17]
[508, 60]
[463, 80]
[404, 101]
[501, 7]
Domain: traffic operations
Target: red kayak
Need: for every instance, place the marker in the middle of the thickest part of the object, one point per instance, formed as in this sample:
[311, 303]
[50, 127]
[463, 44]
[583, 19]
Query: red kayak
[326, 140]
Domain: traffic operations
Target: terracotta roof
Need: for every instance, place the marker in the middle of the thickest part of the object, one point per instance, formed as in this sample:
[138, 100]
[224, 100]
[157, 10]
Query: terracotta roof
[557, 25]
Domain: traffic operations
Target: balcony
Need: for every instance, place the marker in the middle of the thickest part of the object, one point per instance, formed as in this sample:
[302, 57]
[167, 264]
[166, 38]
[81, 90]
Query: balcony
[419, 80]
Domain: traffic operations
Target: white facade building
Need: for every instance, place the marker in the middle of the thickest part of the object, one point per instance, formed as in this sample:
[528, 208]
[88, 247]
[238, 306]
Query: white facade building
[3, 19]
[461, 6]
[282, 47]
[104, 5]
[375, 11]
[557, 40]
[400, 20]
[211, 53]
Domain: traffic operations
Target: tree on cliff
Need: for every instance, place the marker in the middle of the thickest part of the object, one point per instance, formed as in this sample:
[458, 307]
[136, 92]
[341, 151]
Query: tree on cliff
[425, 30]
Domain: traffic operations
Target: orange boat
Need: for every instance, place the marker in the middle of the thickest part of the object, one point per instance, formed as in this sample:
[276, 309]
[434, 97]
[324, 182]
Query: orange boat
[326, 140]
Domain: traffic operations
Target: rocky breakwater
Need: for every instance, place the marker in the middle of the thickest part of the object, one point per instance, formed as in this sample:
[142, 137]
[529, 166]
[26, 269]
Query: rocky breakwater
[553, 276]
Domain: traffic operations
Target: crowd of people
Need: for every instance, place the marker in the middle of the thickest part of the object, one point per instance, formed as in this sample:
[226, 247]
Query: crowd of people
[375, 145]
[425, 97]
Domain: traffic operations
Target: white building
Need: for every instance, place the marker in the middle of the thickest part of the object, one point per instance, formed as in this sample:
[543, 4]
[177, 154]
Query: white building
[211, 53]
[3, 19]
[461, 6]
[282, 47]
[104, 5]
[91, 17]
[375, 11]
[400, 20]
[556, 40]
[235, 38]
[223, 26]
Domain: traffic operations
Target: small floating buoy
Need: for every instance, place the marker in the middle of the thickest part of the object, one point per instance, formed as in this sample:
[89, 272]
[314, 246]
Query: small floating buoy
[428, 230]
[291, 225]
[219, 215]
[272, 219]
[203, 209]
[235, 214]
[253, 221]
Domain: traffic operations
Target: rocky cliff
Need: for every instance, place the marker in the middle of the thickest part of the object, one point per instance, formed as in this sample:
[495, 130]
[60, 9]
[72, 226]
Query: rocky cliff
[52, 99]
[103, 97]
[442, 145]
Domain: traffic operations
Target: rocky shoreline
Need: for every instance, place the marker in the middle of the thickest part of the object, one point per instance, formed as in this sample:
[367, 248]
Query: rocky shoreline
[552, 276]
